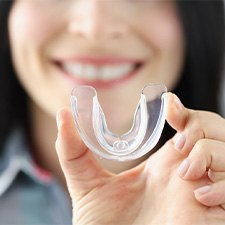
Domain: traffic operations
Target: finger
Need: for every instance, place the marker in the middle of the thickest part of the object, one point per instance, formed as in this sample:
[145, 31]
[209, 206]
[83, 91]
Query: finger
[216, 176]
[206, 154]
[212, 195]
[192, 125]
[80, 168]
[181, 119]
[177, 115]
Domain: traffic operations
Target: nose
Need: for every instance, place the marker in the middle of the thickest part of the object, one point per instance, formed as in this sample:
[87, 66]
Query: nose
[98, 19]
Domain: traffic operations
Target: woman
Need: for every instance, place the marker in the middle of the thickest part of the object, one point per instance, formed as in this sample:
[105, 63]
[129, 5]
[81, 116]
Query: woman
[50, 46]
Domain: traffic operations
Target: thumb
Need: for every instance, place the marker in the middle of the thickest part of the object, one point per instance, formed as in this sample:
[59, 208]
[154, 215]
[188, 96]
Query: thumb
[186, 122]
[177, 115]
[81, 170]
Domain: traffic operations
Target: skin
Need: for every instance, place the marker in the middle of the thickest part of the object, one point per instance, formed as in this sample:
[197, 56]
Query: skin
[40, 32]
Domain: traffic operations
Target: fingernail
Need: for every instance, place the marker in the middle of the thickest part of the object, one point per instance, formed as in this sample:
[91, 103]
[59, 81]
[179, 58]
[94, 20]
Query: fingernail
[180, 141]
[183, 168]
[203, 190]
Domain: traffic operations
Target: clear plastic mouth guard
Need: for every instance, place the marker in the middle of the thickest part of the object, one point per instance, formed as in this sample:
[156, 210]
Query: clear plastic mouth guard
[148, 123]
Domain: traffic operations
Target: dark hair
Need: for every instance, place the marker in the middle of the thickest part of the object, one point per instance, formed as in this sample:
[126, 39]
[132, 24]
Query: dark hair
[203, 25]
[12, 96]
[204, 28]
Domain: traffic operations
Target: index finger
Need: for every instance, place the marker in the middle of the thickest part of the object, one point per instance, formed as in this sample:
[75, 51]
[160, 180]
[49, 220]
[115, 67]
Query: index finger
[192, 125]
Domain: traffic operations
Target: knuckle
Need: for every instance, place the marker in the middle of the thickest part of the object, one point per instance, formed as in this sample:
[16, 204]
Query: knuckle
[198, 131]
[197, 125]
[200, 146]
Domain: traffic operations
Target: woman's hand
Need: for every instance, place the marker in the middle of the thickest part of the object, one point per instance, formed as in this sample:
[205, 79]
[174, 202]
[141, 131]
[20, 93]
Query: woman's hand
[151, 193]
[201, 137]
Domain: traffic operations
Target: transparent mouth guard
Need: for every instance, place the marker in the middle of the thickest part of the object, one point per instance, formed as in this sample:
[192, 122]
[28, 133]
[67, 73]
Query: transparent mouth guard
[148, 123]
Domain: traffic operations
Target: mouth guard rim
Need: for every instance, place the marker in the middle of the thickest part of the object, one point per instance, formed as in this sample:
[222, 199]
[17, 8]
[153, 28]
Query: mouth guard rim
[146, 147]
[102, 138]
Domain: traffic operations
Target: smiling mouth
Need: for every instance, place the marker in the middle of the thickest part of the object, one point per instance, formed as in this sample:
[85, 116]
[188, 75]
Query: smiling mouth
[99, 74]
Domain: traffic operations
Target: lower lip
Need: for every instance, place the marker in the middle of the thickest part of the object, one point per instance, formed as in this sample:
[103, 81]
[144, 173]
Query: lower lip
[99, 83]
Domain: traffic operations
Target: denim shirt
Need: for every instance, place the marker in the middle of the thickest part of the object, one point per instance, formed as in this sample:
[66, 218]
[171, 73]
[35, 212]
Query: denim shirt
[29, 195]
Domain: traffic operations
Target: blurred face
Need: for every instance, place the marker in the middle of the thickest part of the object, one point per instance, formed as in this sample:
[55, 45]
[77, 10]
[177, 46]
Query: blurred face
[117, 46]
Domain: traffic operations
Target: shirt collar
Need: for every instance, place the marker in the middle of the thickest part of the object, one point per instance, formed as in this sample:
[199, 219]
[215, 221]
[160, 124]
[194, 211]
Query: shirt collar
[16, 158]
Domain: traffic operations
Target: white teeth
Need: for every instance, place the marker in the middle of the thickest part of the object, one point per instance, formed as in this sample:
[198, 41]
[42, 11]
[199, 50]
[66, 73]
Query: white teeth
[90, 72]
[104, 73]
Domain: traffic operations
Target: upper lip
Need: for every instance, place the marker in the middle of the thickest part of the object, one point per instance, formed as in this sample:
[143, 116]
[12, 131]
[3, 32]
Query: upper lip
[98, 61]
